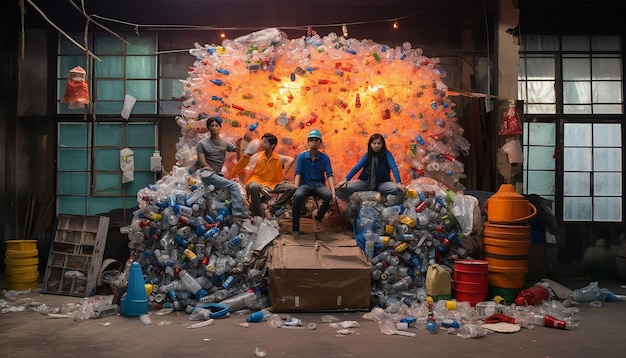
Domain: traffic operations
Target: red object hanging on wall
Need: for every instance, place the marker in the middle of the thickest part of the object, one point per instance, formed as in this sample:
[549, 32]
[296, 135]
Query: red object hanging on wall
[76, 91]
[511, 125]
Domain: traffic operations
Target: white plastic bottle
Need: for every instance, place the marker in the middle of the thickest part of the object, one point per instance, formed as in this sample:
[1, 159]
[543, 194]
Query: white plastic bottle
[156, 162]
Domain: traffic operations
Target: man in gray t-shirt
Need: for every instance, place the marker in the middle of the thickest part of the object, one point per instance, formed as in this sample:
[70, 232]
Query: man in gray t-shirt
[211, 155]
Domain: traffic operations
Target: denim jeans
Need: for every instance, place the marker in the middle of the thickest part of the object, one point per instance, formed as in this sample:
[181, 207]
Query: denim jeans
[219, 182]
[385, 188]
[306, 190]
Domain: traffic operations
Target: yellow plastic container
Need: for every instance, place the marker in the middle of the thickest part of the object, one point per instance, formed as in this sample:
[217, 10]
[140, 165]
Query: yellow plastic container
[19, 254]
[21, 261]
[22, 281]
[20, 269]
[21, 245]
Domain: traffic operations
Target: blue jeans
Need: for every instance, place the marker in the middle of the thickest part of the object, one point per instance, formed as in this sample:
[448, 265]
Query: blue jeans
[306, 190]
[385, 188]
[219, 182]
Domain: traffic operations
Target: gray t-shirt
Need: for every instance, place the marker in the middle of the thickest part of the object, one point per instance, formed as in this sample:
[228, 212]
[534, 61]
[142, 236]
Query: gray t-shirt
[214, 151]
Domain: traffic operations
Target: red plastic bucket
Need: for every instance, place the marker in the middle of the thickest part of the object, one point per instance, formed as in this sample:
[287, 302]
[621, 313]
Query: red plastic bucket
[470, 280]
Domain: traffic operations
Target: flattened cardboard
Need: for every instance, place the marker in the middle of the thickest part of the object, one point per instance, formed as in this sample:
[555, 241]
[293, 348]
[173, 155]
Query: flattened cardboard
[315, 275]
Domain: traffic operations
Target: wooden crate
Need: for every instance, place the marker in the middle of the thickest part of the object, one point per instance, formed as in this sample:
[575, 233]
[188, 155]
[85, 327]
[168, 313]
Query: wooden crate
[76, 255]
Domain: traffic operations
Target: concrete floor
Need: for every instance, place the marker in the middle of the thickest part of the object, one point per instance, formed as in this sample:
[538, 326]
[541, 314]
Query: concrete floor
[30, 334]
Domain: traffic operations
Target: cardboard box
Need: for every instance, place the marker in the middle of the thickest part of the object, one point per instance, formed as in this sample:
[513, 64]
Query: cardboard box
[316, 275]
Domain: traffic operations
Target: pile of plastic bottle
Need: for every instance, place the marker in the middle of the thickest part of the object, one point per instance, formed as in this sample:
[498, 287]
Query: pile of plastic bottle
[402, 240]
[347, 88]
[188, 247]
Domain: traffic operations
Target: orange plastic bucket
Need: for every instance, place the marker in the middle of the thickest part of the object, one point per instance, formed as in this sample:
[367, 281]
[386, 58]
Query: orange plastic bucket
[507, 206]
[507, 277]
[507, 232]
[505, 248]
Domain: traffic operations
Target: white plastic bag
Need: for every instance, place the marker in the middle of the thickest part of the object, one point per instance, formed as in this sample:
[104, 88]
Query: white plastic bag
[127, 165]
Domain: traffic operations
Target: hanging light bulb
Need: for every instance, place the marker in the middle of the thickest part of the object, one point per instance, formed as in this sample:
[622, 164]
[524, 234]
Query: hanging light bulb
[222, 35]
[344, 29]
[395, 24]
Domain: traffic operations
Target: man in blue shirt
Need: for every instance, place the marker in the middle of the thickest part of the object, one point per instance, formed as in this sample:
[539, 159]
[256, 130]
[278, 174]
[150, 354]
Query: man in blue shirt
[312, 169]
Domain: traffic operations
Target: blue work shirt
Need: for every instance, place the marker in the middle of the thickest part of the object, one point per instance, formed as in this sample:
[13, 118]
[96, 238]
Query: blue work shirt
[312, 172]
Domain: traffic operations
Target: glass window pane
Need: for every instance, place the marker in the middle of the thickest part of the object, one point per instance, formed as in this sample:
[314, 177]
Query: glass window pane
[141, 67]
[577, 134]
[607, 209]
[109, 134]
[143, 90]
[577, 109]
[576, 92]
[576, 69]
[607, 135]
[146, 108]
[577, 159]
[541, 134]
[607, 108]
[141, 45]
[142, 179]
[110, 66]
[607, 184]
[540, 43]
[540, 182]
[67, 47]
[74, 135]
[142, 158]
[71, 205]
[142, 134]
[607, 159]
[541, 68]
[607, 69]
[170, 64]
[540, 158]
[576, 43]
[103, 204]
[576, 184]
[73, 159]
[170, 88]
[72, 183]
[108, 44]
[169, 107]
[109, 90]
[107, 159]
[607, 92]
[576, 209]
[114, 107]
[541, 109]
[541, 92]
[108, 183]
[605, 43]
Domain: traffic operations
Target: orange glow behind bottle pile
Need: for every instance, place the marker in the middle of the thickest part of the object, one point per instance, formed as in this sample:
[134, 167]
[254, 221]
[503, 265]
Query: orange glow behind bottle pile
[346, 88]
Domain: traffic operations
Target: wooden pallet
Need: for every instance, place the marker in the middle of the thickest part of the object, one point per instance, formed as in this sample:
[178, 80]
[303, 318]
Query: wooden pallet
[76, 255]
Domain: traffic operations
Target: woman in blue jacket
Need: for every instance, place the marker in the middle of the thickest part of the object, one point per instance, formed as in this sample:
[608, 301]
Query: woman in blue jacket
[376, 166]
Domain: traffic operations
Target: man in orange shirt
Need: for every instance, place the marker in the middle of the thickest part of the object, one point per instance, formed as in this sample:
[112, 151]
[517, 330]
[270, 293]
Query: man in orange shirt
[267, 176]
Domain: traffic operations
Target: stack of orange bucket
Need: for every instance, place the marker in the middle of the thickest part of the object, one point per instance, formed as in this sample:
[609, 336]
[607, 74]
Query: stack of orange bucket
[506, 239]
[22, 259]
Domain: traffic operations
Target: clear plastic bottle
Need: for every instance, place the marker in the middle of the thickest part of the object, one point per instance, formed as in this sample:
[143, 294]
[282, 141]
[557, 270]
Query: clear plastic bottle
[145, 319]
[191, 284]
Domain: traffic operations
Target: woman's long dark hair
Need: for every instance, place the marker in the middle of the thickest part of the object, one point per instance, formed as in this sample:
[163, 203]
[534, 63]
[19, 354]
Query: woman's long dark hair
[373, 137]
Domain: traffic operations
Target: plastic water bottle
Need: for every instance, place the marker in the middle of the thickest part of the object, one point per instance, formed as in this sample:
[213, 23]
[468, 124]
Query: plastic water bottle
[450, 323]
[191, 284]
